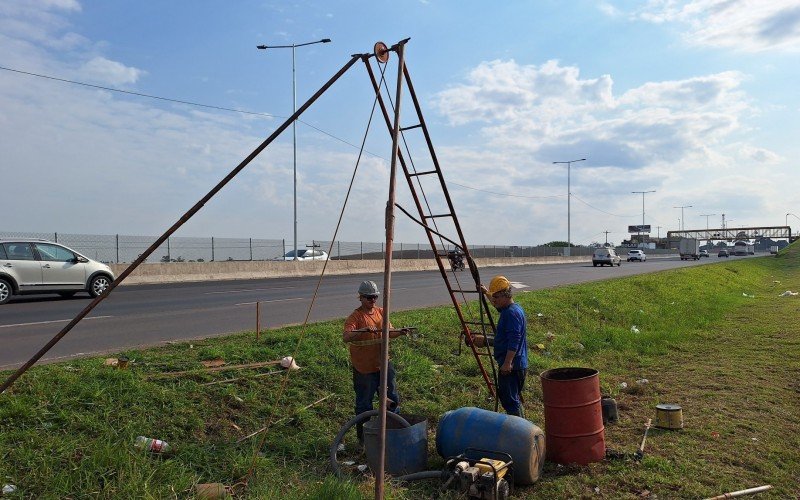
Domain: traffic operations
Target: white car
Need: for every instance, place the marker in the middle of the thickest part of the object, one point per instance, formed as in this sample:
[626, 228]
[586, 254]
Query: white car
[603, 256]
[636, 255]
[306, 254]
[29, 266]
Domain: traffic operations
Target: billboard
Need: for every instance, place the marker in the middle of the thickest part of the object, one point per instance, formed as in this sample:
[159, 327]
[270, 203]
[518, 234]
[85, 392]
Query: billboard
[641, 228]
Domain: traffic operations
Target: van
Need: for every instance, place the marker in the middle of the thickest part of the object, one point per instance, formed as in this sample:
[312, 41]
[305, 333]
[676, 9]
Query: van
[603, 256]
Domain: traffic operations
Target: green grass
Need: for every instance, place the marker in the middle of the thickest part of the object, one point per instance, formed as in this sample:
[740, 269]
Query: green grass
[731, 361]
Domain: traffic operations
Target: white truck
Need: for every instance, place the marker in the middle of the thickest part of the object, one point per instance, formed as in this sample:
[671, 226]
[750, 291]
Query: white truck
[689, 248]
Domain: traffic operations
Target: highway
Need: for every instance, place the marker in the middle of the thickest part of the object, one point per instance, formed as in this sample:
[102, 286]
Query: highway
[147, 315]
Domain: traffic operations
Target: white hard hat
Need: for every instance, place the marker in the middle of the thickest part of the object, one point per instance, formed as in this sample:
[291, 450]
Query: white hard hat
[368, 288]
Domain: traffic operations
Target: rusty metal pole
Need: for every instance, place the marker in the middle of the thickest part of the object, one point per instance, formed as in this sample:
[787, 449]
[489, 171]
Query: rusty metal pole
[189, 214]
[387, 276]
[258, 320]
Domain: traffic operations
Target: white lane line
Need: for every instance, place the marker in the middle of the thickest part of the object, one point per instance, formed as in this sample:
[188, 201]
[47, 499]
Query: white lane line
[264, 301]
[245, 290]
[52, 321]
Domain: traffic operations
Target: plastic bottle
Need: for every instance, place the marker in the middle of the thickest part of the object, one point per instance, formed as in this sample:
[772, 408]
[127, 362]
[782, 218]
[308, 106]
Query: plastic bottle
[151, 445]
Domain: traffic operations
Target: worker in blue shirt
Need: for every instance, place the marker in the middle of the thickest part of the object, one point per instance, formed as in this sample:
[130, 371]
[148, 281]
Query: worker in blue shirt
[510, 345]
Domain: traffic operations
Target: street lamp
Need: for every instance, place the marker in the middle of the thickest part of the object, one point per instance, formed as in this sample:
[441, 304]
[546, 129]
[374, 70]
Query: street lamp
[683, 221]
[294, 122]
[642, 193]
[787, 219]
[569, 199]
[707, 216]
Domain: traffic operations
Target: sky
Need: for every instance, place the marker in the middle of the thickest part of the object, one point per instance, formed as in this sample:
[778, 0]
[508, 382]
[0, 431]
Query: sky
[695, 100]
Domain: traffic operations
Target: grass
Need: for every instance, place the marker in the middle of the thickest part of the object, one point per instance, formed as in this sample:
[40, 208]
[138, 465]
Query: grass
[715, 339]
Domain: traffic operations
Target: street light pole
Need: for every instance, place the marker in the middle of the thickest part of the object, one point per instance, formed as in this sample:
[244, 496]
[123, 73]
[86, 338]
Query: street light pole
[294, 124]
[707, 216]
[642, 193]
[569, 200]
[683, 221]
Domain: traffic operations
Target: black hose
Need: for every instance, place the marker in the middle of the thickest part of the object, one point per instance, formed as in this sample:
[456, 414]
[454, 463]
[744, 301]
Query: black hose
[346, 427]
[416, 476]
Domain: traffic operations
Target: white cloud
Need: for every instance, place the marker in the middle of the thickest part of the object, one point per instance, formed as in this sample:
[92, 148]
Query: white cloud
[551, 111]
[103, 70]
[747, 25]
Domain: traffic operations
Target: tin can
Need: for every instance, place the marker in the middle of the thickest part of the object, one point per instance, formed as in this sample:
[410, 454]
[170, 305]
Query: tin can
[152, 445]
[669, 416]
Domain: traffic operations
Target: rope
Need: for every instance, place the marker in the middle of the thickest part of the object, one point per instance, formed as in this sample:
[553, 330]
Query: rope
[285, 379]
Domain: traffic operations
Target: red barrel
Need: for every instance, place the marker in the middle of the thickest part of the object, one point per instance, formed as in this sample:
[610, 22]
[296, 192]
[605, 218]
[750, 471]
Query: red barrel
[573, 415]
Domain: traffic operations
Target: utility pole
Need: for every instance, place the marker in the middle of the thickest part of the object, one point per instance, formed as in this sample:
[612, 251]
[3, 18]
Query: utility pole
[606, 231]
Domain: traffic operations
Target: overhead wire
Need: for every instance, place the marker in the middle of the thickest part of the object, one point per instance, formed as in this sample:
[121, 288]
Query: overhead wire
[243, 111]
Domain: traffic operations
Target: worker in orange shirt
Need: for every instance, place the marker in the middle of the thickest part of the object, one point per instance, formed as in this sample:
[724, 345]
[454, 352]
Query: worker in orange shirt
[363, 332]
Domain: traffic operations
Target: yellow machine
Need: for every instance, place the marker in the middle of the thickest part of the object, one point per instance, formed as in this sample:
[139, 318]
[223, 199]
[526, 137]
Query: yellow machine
[488, 478]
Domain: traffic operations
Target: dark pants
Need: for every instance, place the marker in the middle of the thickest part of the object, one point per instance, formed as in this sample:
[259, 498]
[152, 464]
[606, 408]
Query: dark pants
[366, 386]
[509, 389]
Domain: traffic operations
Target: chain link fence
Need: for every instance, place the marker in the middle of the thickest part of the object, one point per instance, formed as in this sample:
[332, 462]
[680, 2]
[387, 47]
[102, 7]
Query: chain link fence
[118, 248]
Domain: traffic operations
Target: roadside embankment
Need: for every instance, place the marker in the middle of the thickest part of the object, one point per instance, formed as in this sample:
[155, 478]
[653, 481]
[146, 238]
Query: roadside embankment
[175, 272]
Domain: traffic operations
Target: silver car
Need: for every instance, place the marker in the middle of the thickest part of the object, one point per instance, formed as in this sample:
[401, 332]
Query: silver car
[29, 266]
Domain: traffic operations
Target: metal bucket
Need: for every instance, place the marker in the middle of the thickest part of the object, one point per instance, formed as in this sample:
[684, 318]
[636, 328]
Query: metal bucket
[669, 416]
[610, 412]
[406, 447]
[573, 416]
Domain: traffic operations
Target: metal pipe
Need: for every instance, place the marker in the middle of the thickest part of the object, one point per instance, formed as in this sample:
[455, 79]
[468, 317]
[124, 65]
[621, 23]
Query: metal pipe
[387, 273]
[14, 376]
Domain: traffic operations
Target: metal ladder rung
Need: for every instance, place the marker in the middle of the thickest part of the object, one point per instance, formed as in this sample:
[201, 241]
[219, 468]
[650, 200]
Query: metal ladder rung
[403, 129]
[465, 291]
[437, 216]
[427, 172]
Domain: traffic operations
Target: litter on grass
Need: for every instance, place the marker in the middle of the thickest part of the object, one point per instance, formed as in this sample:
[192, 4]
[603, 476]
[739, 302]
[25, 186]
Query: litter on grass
[788, 293]
[634, 329]
[748, 296]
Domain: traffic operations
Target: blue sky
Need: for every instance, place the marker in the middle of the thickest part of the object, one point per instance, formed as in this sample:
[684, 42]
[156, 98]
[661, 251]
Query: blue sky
[694, 99]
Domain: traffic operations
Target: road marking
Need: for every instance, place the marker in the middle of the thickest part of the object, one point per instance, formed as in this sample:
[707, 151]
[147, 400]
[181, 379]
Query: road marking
[516, 284]
[52, 321]
[245, 290]
[265, 301]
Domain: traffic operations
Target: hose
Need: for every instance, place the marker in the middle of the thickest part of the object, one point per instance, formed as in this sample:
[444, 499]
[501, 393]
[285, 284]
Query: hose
[346, 427]
[416, 476]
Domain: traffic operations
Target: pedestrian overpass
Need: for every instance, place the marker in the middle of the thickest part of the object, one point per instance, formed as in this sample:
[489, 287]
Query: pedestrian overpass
[734, 233]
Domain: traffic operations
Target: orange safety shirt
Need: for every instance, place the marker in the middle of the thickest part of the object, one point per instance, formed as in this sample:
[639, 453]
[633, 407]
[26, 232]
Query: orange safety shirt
[366, 358]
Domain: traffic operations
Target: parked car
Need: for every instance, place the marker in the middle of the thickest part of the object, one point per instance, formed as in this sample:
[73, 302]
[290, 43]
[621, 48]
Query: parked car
[636, 255]
[605, 256]
[704, 253]
[29, 266]
[306, 254]
[723, 253]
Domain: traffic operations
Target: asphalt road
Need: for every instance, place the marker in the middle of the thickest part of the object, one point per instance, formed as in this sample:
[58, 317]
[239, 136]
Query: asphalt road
[145, 315]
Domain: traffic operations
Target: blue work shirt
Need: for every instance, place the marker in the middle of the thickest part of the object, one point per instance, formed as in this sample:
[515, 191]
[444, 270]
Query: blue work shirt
[511, 336]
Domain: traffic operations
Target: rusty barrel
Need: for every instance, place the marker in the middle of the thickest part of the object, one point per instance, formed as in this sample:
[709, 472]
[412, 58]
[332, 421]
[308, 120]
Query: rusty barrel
[573, 415]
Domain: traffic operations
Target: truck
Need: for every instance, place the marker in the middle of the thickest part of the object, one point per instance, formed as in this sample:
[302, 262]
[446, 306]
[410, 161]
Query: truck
[689, 248]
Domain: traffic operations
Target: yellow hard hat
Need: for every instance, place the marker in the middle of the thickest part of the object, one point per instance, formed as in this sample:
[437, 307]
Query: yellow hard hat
[498, 284]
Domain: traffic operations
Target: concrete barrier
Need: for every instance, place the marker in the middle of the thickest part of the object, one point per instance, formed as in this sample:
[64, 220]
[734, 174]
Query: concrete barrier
[175, 272]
